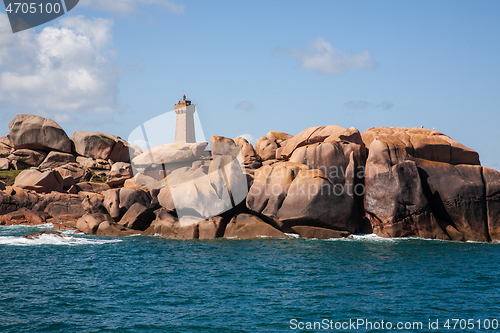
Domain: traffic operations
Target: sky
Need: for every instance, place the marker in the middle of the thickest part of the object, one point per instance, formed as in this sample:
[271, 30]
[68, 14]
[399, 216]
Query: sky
[256, 66]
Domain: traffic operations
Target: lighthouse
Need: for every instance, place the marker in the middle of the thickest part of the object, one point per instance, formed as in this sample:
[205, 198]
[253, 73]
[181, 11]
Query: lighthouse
[184, 123]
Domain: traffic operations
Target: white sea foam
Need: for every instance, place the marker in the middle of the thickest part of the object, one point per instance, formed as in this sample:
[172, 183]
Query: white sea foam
[362, 238]
[54, 240]
[10, 228]
[371, 237]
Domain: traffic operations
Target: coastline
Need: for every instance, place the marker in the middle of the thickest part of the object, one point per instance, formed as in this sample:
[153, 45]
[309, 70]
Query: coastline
[325, 182]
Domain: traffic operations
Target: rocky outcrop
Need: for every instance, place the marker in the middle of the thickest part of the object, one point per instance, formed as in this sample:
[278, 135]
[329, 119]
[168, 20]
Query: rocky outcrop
[27, 157]
[246, 226]
[395, 203]
[23, 216]
[37, 235]
[318, 233]
[171, 153]
[310, 136]
[411, 192]
[169, 226]
[89, 223]
[92, 187]
[5, 146]
[325, 182]
[4, 164]
[265, 148]
[422, 143]
[73, 170]
[292, 193]
[204, 190]
[35, 132]
[137, 217]
[112, 203]
[250, 158]
[492, 181]
[457, 196]
[90, 163]
[313, 200]
[111, 229]
[56, 159]
[102, 146]
[93, 202]
[13, 199]
[42, 182]
[64, 206]
[118, 201]
[120, 172]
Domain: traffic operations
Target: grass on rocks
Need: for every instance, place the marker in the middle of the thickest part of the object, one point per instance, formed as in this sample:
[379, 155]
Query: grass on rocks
[9, 176]
[97, 176]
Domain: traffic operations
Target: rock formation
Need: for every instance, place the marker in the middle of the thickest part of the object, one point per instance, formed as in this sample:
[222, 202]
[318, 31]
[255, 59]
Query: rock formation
[325, 182]
[35, 132]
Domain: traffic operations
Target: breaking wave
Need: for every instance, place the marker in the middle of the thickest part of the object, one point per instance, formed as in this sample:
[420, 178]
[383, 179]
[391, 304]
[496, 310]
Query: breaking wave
[51, 239]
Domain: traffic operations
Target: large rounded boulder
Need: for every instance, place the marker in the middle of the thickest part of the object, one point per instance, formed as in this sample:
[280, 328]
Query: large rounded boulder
[292, 194]
[102, 146]
[35, 132]
[421, 183]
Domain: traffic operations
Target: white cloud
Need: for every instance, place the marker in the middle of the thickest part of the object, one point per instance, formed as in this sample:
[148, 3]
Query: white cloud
[129, 6]
[249, 137]
[324, 58]
[64, 68]
[244, 105]
[363, 105]
[141, 144]
[360, 105]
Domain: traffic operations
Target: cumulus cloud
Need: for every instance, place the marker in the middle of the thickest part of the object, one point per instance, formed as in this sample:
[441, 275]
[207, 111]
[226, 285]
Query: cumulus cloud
[129, 6]
[244, 105]
[323, 58]
[63, 69]
[363, 105]
[249, 137]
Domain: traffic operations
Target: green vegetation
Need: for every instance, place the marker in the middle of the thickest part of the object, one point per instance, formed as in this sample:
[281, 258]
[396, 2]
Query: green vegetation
[97, 176]
[9, 176]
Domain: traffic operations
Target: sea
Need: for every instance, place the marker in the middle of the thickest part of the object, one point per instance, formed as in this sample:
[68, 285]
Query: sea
[84, 283]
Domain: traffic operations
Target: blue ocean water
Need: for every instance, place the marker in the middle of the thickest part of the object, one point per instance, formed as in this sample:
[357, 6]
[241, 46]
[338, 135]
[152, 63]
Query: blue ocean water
[150, 284]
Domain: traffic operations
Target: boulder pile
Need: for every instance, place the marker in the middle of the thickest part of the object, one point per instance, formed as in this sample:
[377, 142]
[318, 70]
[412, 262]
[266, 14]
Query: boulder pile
[325, 182]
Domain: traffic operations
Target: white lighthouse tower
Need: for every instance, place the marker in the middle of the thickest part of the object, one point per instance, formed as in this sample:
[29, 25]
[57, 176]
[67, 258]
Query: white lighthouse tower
[184, 123]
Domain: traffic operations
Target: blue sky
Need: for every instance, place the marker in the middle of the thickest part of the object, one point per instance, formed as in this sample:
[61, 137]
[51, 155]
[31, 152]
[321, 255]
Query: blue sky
[256, 66]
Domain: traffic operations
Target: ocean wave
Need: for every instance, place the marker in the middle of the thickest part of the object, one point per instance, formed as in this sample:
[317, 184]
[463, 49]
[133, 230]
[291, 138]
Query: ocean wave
[372, 238]
[51, 239]
[10, 228]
